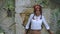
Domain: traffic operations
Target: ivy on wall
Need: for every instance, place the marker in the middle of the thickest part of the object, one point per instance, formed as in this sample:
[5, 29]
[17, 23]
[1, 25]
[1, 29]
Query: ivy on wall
[10, 4]
[56, 20]
[44, 3]
[1, 30]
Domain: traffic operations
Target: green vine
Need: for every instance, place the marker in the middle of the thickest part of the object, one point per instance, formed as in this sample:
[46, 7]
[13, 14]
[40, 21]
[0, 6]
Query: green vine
[56, 19]
[42, 2]
[1, 30]
[10, 4]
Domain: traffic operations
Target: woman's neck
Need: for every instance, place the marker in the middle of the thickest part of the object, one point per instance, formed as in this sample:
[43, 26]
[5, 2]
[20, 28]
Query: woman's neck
[38, 15]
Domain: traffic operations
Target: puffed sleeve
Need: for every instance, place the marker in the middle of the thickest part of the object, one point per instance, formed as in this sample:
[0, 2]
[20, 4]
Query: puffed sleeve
[45, 23]
[29, 20]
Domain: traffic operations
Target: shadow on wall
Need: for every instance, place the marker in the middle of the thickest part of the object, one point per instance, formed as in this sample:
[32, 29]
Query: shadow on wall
[25, 15]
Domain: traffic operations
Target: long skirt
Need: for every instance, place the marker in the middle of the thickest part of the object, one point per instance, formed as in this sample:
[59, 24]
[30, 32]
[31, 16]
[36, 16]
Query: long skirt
[35, 31]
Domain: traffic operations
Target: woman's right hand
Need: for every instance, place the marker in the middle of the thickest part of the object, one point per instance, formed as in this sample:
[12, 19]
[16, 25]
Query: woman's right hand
[24, 32]
[52, 32]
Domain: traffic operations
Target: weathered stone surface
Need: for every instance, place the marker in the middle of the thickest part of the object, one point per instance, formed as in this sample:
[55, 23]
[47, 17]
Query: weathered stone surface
[24, 10]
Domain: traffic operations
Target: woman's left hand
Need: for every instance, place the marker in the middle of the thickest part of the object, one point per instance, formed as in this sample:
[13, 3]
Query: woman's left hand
[52, 32]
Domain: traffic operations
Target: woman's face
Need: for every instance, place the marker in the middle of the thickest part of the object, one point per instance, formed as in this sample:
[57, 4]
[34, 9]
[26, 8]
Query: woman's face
[37, 8]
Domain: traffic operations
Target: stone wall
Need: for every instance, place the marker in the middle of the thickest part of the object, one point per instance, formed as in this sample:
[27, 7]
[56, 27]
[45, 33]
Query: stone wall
[5, 21]
[22, 9]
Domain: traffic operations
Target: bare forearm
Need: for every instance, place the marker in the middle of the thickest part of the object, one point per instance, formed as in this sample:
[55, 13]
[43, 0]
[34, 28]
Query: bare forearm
[26, 30]
[50, 32]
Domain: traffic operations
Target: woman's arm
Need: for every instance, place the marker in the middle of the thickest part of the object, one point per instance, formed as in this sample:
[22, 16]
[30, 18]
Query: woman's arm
[46, 25]
[28, 23]
[29, 20]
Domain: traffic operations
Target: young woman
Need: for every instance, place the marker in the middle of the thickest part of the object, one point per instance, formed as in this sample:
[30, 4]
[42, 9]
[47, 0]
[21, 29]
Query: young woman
[36, 19]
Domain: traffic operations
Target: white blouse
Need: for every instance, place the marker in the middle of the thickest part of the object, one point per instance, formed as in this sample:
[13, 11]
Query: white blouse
[36, 22]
